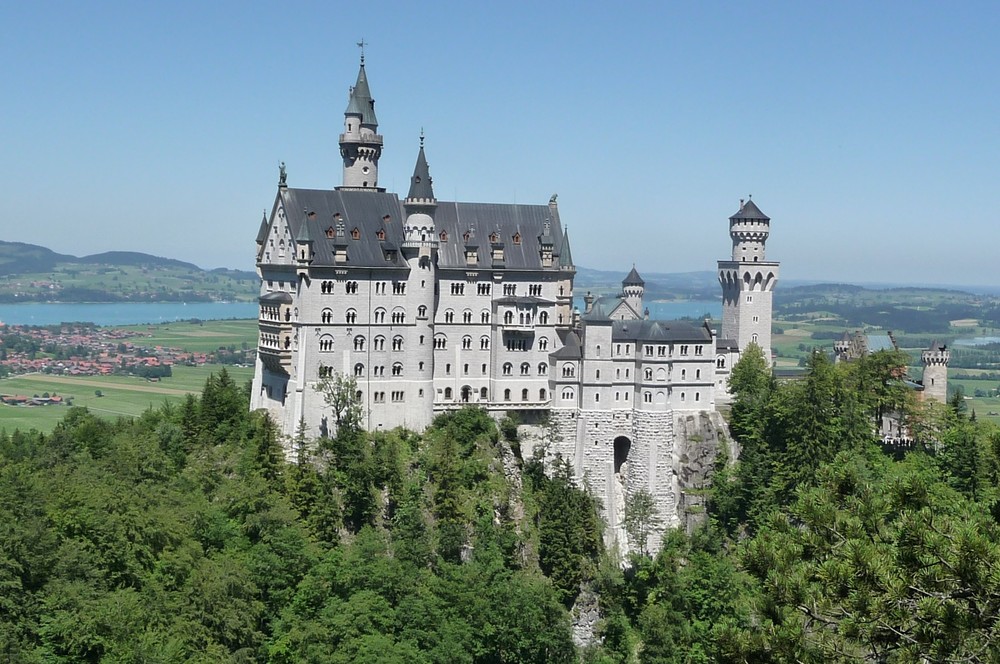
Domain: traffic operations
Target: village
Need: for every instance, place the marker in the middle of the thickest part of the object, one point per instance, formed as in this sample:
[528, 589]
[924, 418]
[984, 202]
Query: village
[80, 349]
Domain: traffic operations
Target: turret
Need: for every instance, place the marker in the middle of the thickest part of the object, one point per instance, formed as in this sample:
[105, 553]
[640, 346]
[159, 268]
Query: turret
[360, 144]
[304, 244]
[935, 360]
[633, 287]
[748, 281]
[418, 229]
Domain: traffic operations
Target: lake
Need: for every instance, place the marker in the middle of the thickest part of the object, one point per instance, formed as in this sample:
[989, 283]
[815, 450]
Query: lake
[976, 341]
[127, 313]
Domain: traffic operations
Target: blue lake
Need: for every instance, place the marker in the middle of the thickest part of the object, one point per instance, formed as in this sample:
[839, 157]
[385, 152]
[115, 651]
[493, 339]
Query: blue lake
[129, 313]
[976, 341]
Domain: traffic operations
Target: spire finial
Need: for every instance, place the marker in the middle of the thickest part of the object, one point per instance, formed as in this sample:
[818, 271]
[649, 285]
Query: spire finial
[421, 138]
[361, 45]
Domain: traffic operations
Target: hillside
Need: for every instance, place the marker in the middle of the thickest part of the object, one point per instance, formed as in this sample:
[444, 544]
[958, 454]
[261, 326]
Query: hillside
[37, 274]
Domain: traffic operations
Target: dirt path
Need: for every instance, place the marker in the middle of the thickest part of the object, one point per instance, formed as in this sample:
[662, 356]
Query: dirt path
[108, 386]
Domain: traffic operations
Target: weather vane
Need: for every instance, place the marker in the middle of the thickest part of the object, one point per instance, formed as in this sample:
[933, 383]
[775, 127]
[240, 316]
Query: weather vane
[361, 45]
[421, 137]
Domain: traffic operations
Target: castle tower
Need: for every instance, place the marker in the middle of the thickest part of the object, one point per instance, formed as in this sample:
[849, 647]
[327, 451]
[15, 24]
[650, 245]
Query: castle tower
[935, 360]
[419, 249]
[361, 144]
[748, 281]
[633, 287]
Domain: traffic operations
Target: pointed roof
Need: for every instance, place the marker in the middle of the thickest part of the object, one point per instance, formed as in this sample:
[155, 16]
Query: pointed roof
[303, 236]
[633, 279]
[565, 255]
[420, 183]
[262, 232]
[361, 102]
[749, 210]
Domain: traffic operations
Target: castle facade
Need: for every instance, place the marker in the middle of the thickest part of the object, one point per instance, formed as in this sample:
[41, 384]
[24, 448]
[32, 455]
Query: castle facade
[432, 306]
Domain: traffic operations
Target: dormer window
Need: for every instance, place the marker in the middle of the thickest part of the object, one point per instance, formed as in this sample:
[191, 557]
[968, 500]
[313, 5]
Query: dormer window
[380, 234]
[356, 234]
[444, 236]
[386, 219]
[494, 237]
[466, 236]
[330, 232]
[517, 238]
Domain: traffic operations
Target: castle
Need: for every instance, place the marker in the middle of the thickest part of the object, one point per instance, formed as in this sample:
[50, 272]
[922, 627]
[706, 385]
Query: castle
[433, 305]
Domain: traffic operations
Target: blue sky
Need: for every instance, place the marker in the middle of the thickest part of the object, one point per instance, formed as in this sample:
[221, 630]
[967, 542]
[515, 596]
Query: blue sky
[869, 132]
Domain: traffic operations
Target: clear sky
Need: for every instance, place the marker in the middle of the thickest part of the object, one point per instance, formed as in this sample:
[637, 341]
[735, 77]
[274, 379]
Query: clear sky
[868, 131]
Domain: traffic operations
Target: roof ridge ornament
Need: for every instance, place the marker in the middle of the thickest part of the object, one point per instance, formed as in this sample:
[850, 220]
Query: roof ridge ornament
[361, 44]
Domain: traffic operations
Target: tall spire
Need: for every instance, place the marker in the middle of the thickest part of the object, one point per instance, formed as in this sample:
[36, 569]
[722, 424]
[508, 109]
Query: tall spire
[565, 255]
[360, 144]
[420, 183]
[361, 102]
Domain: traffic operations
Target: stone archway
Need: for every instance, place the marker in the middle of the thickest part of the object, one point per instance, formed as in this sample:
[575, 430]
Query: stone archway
[619, 489]
[466, 394]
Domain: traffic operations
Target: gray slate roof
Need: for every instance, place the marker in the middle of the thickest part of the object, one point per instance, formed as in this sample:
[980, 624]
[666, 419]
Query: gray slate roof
[420, 181]
[571, 349]
[633, 279]
[658, 330]
[750, 211]
[361, 102]
[366, 211]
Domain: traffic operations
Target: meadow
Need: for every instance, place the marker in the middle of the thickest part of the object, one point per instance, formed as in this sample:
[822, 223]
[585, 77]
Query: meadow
[121, 395]
[203, 336]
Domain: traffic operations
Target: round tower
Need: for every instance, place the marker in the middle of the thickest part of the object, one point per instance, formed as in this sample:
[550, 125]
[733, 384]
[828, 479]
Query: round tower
[361, 144]
[633, 288]
[419, 248]
[748, 281]
[935, 360]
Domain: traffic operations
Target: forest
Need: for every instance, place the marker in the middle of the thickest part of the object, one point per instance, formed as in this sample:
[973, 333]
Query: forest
[186, 535]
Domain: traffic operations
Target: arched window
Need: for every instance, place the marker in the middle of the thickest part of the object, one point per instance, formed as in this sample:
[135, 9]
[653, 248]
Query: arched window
[543, 343]
[466, 342]
[422, 311]
[647, 397]
[567, 394]
[684, 374]
[697, 374]
[597, 351]
[754, 338]
[525, 368]
[485, 316]
[524, 394]
[484, 343]
[661, 374]
[359, 342]
[325, 343]
[720, 362]
[543, 394]
[327, 316]
[543, 318]
[447, 393]
[378, 343]
[542, 368]
[398, 316]
[359, 369]
[647, 374]
[440, 342]
[397, 343]
[568, 371]
[449, 316]
[483, 394]
[397, 369]
[467, 316]
[508, 368]
[506, 395]
[380, 315]
[508, 317]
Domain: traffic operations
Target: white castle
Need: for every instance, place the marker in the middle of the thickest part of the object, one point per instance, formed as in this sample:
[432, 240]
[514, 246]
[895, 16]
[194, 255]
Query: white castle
[432, 306]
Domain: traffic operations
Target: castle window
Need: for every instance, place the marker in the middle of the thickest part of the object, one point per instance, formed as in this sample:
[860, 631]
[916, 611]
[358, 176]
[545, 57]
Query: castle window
[618, 396]
[447, 391]
[440, 342]
[356, 234]
[697, 374]
[449, 316]
[749, 299]
[485, 316]
[525, 368]
[380, 315]
[397, 396]
[397, 369]
[420, 366]
[378, 343]
[684, 350]
[647, 351]
[684, 374]
[398, 316]
[326, 287]
[330, 232]
[682, 397]
[386, 219]
[484, 343]
[484, 288]
[510, 289]
[399, 288]
[647, 374]
[465, 369]
[325, 371]
[754, 338]
[542, 368]
[466, 342]
[597, 351]
[524, 394]
[422, 311]
[517, 238]
[543, 394]
[484, 369]
[567, 394]
[397, 343]
[508, 368]
[483, 394]
[378, 397]
[506, 395]
[756, 319]
[597, 397]
[698, 350]
[444, 238]
[543, 318]
[618, 374]
[447, 369]
[568, 371]
[327, 316]
[325, 343]
[720, 362]
[508, 317]
[543, 343]
[598, 375]
[647, 397]
[359, 369]
[494, 237]
[351, 288]
[661, 351]
[359, 343]
[467, 316]
[697, 396]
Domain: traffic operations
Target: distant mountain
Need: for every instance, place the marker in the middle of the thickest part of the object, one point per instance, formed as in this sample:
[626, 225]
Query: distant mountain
[20, 258]
[134, 258]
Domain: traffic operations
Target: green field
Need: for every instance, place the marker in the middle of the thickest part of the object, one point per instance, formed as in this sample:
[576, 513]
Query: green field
[203, 337]
[122, 395]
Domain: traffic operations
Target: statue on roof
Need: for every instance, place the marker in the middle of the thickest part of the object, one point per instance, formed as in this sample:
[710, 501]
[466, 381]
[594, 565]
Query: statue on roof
[282, 175]
[552, 200]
